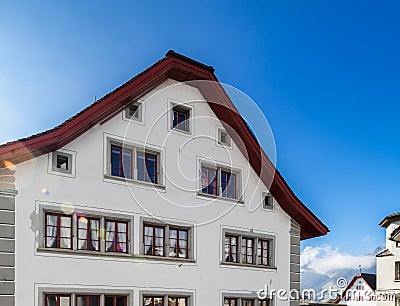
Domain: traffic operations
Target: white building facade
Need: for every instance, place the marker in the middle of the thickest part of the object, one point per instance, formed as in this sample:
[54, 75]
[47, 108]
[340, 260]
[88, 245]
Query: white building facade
[360, 291]
[388, 263]
[147, 198]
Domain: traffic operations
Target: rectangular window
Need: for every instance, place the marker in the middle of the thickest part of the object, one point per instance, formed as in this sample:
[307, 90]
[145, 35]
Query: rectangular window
[247, 250]
[134, 111]
[228, 184]
[253, 250]
[177, 301]
[153, 240]
[209, 181]
[263, 252]
[268, 201]
[58, 231]
[116, 236]
[88, 300]
[397, 270]
[231, 302]
[231, 248]
[115, 300]
[181, 116]
[178, 243]
[265, 302]
[121, 161]
[57, 300]
[153, 301]
[219, 182]
[224, 138]
[147, 167]
[88, 233]
[62, 162]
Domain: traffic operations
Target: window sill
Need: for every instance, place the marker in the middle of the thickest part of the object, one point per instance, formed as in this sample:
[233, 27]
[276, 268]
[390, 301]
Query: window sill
[206, 195]
[182, 132]
[132, 181]
[83, 252]
[163, 258]
[240, 265]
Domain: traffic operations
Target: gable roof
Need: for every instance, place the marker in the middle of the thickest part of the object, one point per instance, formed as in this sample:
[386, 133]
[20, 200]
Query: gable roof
[370, 279]
[384, 253]
[182, 69]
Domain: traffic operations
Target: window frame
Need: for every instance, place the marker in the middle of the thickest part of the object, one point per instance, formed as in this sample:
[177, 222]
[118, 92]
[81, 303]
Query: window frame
[135, 149]
[59, 295]
[181, 108]
[116, 232]
[115, 296]
[228, 142]
[219, 169]
[87, 297]
[239, 300]
[88, 229]
[52, 163]
[165, 295]
[257, 237]
[45, 208]
[167, 226]
[267, 196]
[58, 237]
[139, 111]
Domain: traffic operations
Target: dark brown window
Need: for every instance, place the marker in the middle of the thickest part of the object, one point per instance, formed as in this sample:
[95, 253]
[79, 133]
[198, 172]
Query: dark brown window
[208, 180]
[231, 248]
[116, 236]
[57, 300]
[265, 302]
[247, 250]
[153, 240]
[121, 161]
[58, 231]
[147, 167]
[397, 270]
[153, 301]
[88, 300]
[177, 301]
[228, 184]
[263, 251]
[231, 302]
[247, 302]
[268, 201]
[88, 233]
[178, 243]
[115, 300]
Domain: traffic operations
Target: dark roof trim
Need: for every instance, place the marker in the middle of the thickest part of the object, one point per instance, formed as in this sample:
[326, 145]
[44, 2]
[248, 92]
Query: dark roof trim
[389, 219]
[179, 68]
[384, 253]
[189, 60]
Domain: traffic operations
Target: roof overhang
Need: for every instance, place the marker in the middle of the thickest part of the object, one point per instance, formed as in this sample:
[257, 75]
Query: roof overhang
[182, 69]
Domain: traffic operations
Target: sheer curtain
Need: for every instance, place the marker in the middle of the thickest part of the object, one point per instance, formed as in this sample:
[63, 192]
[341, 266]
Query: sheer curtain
[94, 234]
[148, 240]
[65, 232]
[121, 237]
[51, 231]
[110, 236]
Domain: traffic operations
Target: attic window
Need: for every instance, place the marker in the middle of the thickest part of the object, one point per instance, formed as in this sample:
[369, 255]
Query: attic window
[224, 138]
[62, 162]
[134, 111]
[268, 201]
[180, 118]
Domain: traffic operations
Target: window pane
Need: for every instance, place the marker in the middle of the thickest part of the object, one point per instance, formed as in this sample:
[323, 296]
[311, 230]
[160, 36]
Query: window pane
[62, 162]
[127, 163]
[51, 301]
[121, 301]
[116, 161]
[208, 181]
[64, 301]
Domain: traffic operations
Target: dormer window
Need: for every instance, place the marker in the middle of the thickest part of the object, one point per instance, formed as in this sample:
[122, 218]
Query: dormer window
[134, 111]
[180, 118]
[62, 162]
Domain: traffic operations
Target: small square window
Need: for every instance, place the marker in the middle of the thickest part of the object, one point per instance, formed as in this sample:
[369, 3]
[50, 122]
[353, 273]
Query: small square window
[268, 202]
[224, 138]
[180, 118]
[134, 111]
[62, 162]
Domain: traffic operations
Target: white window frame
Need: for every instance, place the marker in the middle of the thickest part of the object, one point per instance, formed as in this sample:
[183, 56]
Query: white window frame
[190, 109]
[219, 142]
[272, 238]
[167, 225]
[75, 212]
[219, 167]
[140, 111]
[264, 195]
[52, 160]
[135, 147]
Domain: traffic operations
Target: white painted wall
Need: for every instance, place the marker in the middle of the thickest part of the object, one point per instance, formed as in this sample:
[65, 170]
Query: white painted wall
[206, 278]
[385, 267]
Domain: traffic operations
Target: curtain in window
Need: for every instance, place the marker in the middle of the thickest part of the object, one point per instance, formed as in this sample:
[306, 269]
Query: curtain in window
[94, 235]
[173, 243]
[159, 247]
[122, 239]
[82, 233]
[148, 240]
[65, 232]
[110, 236]
[51, 231]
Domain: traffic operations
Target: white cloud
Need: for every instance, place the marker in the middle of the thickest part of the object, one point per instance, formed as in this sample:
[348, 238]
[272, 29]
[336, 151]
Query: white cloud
[326, 260]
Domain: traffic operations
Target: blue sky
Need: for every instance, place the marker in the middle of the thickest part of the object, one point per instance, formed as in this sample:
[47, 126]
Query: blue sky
[325, 74]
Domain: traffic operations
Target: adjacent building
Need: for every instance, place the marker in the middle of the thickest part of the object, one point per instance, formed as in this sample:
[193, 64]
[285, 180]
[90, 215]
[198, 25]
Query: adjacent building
[156, 194]
[360, 291]
[388, 263]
